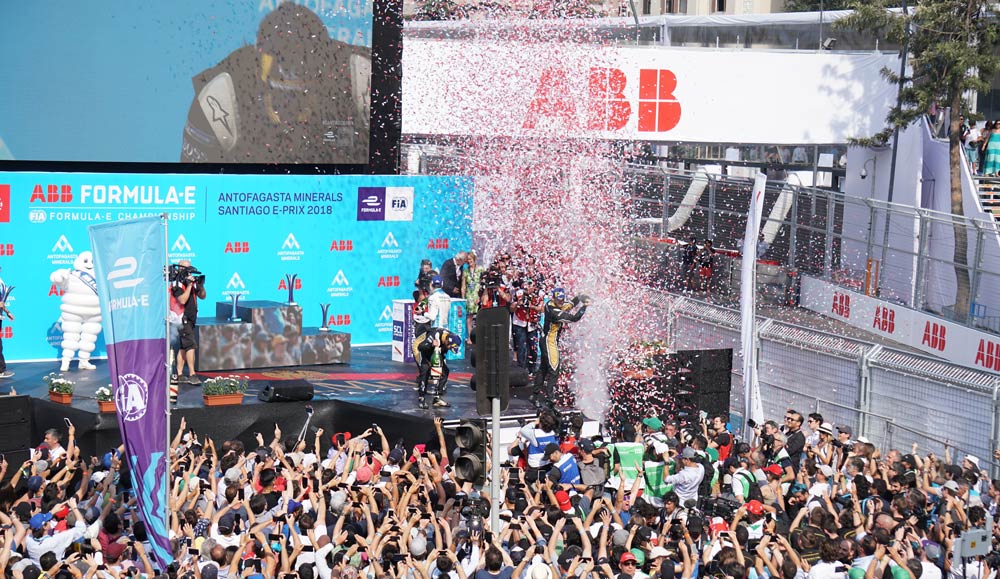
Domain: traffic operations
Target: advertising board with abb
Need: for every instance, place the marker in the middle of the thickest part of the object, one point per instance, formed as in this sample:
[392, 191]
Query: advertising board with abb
[953, 342]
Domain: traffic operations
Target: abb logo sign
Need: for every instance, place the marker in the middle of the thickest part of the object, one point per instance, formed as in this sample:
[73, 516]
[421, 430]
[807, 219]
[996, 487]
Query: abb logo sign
[238, 247]
[55, 290]
[342, 245]
[7, 332]
[884, 319]
[6, 249]
[440, 243]
[841, 304]
[988, 355]
[283, 284]
[608, 109]
[339, 320]
[51, 194]
[388, 281]
[935, 336]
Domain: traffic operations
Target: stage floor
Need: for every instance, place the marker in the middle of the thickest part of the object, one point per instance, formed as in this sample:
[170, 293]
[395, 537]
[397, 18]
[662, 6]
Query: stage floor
[371, 379]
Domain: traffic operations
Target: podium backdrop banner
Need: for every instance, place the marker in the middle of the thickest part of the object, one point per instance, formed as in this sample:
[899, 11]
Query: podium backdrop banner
[355, 242]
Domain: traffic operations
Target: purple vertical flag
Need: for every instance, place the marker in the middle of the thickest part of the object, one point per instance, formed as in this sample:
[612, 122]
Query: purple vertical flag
[129, 261]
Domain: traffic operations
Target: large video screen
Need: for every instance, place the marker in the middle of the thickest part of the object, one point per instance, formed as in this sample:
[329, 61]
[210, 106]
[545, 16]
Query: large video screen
[196, 81]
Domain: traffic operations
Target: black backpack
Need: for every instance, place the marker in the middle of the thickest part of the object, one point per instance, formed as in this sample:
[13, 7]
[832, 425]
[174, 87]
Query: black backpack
[754, 493]
[705, 488]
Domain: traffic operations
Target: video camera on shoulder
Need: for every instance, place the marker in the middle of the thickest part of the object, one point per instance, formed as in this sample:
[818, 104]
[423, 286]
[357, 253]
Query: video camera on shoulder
[185, 273]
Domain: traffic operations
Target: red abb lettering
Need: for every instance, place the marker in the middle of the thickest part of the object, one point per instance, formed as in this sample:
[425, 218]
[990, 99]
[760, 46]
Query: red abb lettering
[988, 355]
[841, 304]
[935, 336]
[283, 285]
[552, 99]
[659, 110]
[885, 319]
[608, 109]
[51, 193]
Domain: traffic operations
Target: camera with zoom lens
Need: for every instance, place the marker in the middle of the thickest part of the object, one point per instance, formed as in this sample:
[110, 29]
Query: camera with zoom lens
[185, 273]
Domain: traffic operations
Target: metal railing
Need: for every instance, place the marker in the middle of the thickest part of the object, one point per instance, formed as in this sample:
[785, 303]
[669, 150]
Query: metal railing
[831, 235]
[893, 398]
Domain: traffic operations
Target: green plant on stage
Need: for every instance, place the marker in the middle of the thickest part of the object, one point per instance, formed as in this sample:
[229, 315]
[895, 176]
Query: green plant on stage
[104, 394]
[221, 385]
[58, 384]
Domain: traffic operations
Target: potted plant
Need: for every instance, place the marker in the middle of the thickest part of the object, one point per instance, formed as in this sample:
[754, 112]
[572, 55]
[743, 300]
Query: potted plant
[60, 389]
[224, 390]
[105, 399]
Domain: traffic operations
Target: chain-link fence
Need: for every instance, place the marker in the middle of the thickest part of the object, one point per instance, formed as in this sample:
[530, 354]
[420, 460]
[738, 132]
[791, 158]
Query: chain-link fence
[893, 398]
[899, 253]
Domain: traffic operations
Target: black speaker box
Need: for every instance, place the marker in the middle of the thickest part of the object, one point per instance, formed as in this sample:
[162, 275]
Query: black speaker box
[287, 391]
[15, 423]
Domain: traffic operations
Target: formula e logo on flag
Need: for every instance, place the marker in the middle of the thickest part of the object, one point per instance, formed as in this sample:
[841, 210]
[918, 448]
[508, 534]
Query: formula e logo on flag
[126, 266]
[340, 286]
[385, 203]
[390, 248]
[290, 249]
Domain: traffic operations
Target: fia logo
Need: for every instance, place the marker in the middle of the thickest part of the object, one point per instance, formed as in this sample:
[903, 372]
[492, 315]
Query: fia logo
[125, 267]
[62, 245]
[290, 242]
[236, 282]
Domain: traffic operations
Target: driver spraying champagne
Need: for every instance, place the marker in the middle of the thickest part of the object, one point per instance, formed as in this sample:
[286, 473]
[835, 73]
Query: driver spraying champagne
[432, 348]
[558, 314]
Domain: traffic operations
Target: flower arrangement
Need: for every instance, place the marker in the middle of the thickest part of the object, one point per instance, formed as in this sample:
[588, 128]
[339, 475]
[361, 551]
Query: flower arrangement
[58, 384]
[221, 385]
[104, 394]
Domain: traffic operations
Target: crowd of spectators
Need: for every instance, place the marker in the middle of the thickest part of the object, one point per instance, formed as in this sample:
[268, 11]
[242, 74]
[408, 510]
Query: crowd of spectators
[655, 499]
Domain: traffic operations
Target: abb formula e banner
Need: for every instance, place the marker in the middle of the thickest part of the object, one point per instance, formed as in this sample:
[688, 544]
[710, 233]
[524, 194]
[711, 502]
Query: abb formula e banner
[353, 242]
[643, 93]
[953, 342]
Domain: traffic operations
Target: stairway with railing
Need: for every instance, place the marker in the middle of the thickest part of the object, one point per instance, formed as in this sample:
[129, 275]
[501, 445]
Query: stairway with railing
[989, 195]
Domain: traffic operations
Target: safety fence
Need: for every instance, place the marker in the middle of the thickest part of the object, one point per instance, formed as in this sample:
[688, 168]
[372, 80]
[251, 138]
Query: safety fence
[894, 398]
[899, 253]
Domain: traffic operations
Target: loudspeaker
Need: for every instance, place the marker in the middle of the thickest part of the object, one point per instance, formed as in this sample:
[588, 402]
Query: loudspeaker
[711, 371]
[519, 378]
[492, 359]
[15, 424]
[287, 391]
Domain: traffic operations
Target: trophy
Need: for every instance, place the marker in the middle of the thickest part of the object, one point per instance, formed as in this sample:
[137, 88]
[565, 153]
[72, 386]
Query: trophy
[290, 278]
[326, 309]
[232, 316]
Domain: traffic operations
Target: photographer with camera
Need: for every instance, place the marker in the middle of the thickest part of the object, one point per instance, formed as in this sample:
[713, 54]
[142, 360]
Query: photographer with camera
[187, 286]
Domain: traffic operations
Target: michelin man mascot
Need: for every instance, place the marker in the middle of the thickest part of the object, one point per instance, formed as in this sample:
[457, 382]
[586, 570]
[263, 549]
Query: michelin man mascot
[81, 310]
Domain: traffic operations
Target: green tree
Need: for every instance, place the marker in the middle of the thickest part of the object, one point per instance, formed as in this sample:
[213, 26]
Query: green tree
[952, 50]
[813, 5]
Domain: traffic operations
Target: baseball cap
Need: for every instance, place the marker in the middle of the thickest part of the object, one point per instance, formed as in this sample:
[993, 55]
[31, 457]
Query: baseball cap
[35, 483]
[774, 469]
[653, 422]
[41, 465]
[626, 556]
[227, 522]
[657, 552]
[396, 455]
[950, 485]
[826, 469]
[436, 281]
[38, 521]
[689, 453]
[549, 449]
[363, 475]
[845, 429]
[619, 537]
[562, 497]
[755, 507]
[718, 525]
[234, 474]
[586, 445]
[341, 436]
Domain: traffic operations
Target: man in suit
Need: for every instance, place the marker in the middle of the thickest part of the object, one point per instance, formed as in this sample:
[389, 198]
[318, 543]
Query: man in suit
[451, 275]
